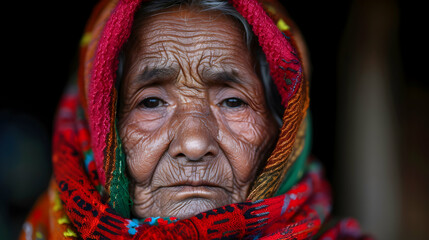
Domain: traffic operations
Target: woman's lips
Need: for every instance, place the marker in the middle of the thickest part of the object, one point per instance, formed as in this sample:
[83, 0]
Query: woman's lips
[186, 190]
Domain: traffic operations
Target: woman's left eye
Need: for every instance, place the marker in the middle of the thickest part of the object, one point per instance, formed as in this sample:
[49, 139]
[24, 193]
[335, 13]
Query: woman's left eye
[233, 103]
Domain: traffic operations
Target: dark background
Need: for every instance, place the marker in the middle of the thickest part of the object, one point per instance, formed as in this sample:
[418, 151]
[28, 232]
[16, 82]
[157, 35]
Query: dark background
[40, 42]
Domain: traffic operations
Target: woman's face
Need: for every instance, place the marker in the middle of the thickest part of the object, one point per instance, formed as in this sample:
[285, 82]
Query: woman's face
[193, 118]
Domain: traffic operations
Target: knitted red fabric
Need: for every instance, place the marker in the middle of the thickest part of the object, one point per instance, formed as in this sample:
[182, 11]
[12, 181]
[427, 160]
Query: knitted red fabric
[285, 66]
[116, 32]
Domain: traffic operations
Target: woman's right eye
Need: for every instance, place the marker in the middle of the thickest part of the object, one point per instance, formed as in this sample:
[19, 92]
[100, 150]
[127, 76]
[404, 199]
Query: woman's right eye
[151, 102]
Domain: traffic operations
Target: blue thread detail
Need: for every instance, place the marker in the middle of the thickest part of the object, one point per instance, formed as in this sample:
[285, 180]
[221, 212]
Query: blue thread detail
[292, 70]
[132, 225]
[89, 157]
[295, 80]
[285, 36]
[154, 221]
[285, 204]
[294, 61]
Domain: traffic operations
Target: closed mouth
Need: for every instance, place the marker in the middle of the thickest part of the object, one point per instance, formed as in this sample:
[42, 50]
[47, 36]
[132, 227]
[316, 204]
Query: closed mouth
[186, 192]
[195, 184]
[196, 189]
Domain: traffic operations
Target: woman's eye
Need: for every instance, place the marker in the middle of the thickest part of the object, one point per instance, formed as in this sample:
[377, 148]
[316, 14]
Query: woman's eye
[233, 103]
[151, 102]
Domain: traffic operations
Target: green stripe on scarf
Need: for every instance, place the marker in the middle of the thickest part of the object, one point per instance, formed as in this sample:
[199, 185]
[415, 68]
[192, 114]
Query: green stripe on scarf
[298, 168]
[120, 199]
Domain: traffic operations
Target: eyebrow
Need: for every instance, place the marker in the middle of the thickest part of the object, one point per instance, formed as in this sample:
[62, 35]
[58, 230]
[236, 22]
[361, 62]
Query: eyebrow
[212, 77]
[151, 75]
[222, 77]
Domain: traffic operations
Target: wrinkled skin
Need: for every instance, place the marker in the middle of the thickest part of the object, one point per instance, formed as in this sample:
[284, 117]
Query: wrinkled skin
[193, 117]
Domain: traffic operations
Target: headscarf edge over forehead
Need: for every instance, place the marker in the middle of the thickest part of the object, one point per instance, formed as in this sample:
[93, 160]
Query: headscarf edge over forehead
[98, 75]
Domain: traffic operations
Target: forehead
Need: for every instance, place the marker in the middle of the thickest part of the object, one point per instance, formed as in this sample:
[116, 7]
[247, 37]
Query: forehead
[189, 22]
[192, 34]
[189, 48]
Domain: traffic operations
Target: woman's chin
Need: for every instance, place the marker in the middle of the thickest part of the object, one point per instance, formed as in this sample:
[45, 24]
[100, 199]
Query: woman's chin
[183, 202]
[192, 206]
[182, 209]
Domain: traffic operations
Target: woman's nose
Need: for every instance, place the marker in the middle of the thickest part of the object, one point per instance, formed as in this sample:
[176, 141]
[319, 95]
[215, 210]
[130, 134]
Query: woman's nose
[195, 138]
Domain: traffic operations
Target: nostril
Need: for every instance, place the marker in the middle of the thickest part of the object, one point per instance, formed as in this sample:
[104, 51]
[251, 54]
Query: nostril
[192, 150]
[206, 156]
[193, 141]
[209, 154]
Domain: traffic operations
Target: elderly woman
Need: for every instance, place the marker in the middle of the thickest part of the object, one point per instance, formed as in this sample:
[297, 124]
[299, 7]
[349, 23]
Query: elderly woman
[188, 122]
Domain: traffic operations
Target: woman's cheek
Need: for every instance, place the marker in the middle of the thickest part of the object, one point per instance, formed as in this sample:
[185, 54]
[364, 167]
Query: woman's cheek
[245, 126]
[145, 120]
[143, 140]
[135, 129]
[241, 139]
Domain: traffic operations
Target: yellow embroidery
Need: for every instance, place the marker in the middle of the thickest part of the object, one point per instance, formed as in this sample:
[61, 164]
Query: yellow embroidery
[39, 235]
[270, 9]
[57, 203]
[63, 220]
[69, 233]
[282, 25]
[85, 39]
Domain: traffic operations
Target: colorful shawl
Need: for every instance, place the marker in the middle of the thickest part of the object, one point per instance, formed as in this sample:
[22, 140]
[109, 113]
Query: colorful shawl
[88, 196]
